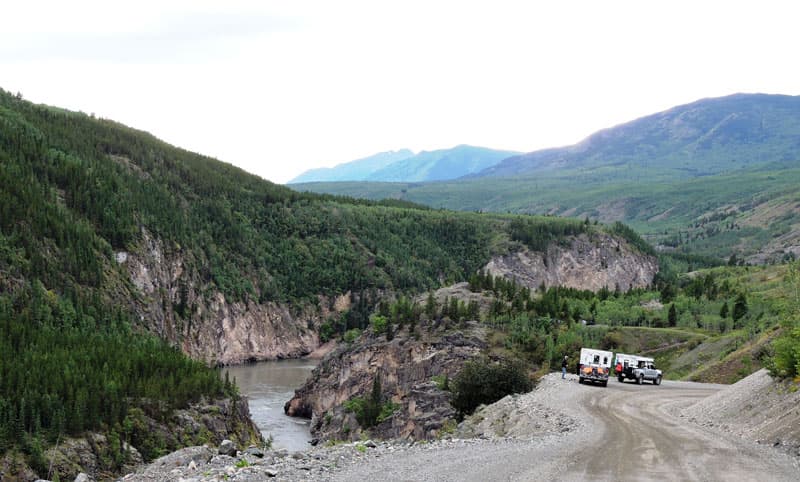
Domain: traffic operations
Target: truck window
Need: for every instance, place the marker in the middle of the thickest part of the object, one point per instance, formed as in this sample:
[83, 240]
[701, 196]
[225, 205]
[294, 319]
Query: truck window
[596, 359]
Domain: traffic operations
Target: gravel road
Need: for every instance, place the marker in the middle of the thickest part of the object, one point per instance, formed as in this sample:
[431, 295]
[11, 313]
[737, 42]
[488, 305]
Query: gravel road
[561, 431]
[622, 432]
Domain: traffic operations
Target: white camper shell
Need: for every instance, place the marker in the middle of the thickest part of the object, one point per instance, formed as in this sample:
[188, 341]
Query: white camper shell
[637, 368]
[594, 365]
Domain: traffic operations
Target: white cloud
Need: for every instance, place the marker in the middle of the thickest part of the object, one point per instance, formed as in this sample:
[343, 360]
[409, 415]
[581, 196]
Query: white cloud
[279, 87]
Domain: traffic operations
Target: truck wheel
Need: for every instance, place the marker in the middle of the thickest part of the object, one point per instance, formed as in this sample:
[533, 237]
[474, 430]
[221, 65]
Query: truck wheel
[621, 379]
[640, 379]
[605, 383]
[657, 381]
[580, 380]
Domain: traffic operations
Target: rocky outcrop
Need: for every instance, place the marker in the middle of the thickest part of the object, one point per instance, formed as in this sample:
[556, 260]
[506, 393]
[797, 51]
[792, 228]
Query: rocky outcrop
[406, 366]
[587, 262]
[102, 456]
[175, 302]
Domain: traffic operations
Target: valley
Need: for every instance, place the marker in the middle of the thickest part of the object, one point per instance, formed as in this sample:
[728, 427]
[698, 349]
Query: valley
[715, 177]
[133, 270]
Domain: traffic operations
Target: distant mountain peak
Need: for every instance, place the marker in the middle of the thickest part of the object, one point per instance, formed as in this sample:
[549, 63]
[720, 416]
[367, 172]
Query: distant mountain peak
[736, 127]
[405, 166]
[357, 170]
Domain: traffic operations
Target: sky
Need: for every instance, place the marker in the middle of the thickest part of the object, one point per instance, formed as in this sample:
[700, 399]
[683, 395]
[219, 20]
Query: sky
[279, 87]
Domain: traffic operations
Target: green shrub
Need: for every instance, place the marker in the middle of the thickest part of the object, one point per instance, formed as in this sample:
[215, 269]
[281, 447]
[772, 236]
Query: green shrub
[351, 335]
[371, 411]
[442, 382]
[326, 331]
[785, 361]
[379, 323]
[482, 381]
[387, 410]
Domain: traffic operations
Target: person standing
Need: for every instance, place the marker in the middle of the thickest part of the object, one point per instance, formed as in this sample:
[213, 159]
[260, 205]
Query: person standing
[564, 368]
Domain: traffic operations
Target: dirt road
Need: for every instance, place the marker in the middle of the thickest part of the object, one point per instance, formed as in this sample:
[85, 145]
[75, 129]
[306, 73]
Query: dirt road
[627, 432]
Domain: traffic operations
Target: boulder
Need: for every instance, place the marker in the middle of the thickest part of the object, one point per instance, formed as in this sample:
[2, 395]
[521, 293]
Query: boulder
[255, 452]
[181, 458]
[227, 447]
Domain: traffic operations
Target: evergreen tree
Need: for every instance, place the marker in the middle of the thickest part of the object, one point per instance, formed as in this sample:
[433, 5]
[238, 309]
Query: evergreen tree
[667, 293]
[739, 308]
[389, 331]
[430, 306]
[723, 312]
[453, 310]
[672, 317]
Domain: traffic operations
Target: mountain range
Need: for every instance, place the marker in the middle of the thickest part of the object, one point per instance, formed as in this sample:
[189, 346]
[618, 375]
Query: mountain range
[358, 170]
[716, 177]
[706, 137]
[405, 166]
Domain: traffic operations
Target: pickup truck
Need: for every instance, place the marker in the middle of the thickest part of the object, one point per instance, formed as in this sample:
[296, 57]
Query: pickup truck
[637, 368]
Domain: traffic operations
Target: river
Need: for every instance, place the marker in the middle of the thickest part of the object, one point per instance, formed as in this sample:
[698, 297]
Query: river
[268, 386]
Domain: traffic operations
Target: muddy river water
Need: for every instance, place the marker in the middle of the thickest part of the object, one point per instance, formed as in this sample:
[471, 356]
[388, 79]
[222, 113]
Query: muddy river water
[268, 386]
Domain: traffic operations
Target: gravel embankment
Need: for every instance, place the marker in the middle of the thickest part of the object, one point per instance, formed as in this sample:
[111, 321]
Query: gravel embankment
[756, 408]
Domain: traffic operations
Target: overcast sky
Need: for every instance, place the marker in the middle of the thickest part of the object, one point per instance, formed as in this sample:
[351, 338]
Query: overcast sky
[281, 87]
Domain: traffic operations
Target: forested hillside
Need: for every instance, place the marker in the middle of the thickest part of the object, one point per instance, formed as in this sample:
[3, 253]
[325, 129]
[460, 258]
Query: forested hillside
[715, 177]
[78, 193]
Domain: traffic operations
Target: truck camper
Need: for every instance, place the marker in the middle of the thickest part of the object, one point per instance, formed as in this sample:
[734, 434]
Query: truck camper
[594, 365]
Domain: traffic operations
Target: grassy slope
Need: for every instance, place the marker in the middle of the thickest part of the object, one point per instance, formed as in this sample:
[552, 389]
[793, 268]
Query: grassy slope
[702, 346]
[659, 209]
[662, 173]
[708, 356]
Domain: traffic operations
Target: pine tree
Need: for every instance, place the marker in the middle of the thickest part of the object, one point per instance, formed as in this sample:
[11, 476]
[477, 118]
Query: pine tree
[739, 308]
[723, 312]
[430, 306]
[672, 317]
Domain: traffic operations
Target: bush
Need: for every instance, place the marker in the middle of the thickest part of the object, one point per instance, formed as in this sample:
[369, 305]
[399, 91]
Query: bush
[442, 382]
[371, 411]
[351, 335]
[379, 324]
[785, 362]
[612, 340]
[482, 381]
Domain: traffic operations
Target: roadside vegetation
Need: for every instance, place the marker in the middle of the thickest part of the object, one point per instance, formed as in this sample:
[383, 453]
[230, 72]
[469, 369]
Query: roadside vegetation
[715, 324]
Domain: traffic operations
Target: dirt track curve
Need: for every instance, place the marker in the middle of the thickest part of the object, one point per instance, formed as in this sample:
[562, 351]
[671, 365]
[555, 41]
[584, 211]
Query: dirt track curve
[628, 432]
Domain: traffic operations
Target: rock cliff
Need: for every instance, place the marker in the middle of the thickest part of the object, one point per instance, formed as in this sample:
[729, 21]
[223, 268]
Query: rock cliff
[175, 302]
[406, 366]
[144, 437]
[587, 262]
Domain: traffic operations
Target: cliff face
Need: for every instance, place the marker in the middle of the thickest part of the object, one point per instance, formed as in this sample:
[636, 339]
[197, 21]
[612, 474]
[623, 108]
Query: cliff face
[406, 366]
[104, 457]
[173, 301]
[588, 262]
